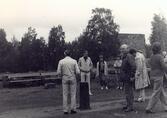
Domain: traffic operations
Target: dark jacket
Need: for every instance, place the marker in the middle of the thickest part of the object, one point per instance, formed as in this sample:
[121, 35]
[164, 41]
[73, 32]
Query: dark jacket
[158, 66]
[128, 68]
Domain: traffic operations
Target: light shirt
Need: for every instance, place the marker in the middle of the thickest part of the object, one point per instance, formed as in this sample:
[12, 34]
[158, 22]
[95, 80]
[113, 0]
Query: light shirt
[68, 68]
[165, 59]
[85, 65]
[118, 63]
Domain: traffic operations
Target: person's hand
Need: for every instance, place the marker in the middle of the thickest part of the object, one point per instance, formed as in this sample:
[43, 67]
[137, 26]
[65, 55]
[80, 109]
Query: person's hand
[97, 77]
[88, 71]
[78, 76]
[137, 74]
[132, 79]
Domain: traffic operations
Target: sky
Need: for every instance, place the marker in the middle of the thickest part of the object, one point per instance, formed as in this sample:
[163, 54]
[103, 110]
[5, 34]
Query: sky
[133, 16]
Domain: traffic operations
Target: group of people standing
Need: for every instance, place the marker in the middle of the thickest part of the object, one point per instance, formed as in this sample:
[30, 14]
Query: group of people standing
[133, 70]
[69, 69]
[132, 74]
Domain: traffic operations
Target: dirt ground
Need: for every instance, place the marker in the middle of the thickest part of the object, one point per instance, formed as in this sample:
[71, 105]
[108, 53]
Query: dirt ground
[31, 97]
[37, 102]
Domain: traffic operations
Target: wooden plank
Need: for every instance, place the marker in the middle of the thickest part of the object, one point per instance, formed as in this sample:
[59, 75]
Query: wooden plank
[27, 80]
[29, 76]
[52, 78]
[17, 75]
[49, 74]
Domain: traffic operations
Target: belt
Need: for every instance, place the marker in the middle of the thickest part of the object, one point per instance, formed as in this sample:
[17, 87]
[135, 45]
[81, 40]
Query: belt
[85, 71]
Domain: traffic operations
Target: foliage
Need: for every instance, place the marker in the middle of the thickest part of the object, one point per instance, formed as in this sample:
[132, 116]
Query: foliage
[26, 49]
[5, 50]
[56, 46]
[100, 35]
[38, 47]
[34, 54]
[148, 51]
[159, 31]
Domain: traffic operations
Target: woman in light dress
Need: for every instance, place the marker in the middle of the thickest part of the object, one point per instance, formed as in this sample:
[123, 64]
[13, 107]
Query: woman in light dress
[141, 77]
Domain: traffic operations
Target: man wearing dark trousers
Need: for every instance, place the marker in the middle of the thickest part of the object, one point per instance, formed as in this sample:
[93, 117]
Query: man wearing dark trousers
[127, 74]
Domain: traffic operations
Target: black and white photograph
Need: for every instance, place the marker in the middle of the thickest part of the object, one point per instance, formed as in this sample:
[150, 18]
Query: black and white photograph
[83, 59]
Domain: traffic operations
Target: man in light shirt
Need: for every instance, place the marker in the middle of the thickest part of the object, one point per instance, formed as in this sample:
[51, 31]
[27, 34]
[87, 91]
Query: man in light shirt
[68, 69]
[85, 65]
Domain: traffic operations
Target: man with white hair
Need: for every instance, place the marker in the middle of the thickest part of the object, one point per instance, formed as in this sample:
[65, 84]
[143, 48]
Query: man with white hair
[124, 46]
[127, 74]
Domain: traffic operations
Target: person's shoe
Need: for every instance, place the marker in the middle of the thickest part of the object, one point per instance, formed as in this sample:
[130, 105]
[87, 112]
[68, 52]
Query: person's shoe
[124, 108]
[90, 93]
[106, 88]
[129, 110]
[143, 100]
[149, 111]
[165, 110]
[139, 100]
[120, 88]
[65, 113]
[73, 112]
[101, 88]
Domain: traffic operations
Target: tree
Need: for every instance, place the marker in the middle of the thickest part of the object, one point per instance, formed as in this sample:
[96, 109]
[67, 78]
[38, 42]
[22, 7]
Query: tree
[74, 47]
[5, 49]
[3, 43]
[15, 42]
[101, 34]
[2, 36]
[148, 51]
[56, 46]
[38, 47]
[26, 49]
[159, 31]
[13, 56]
